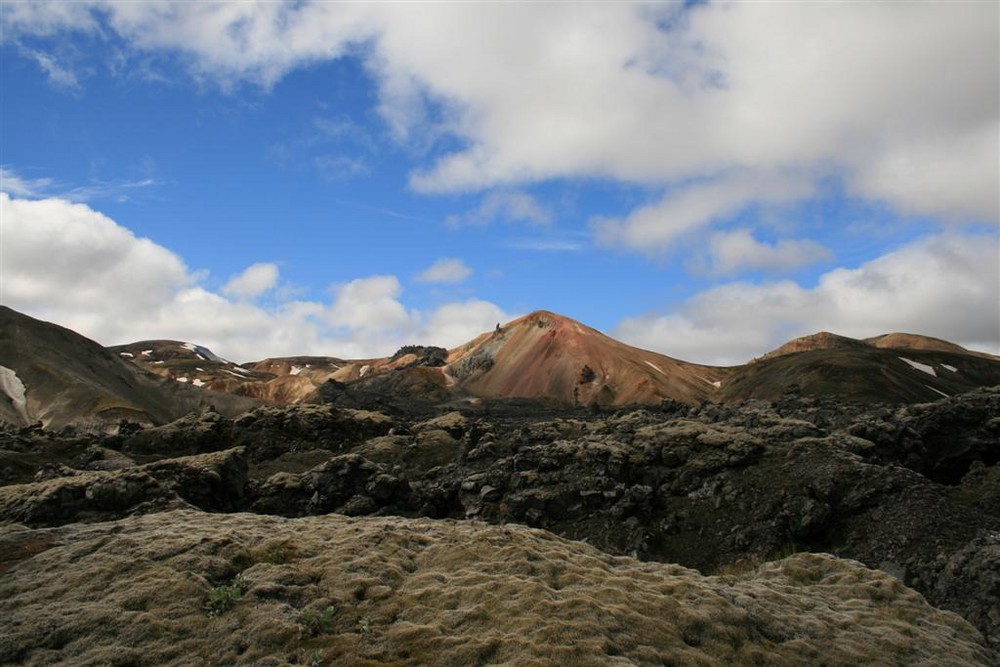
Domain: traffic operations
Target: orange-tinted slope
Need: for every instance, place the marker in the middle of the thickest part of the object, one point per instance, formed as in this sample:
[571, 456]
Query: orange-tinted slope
[543, 355]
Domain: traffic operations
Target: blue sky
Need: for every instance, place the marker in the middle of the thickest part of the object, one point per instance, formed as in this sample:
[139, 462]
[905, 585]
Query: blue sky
[706, 181]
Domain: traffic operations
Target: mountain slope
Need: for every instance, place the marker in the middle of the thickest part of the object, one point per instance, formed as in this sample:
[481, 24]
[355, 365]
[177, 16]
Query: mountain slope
[68, 379]
[188, 363]
[894, 368]
[547, 355]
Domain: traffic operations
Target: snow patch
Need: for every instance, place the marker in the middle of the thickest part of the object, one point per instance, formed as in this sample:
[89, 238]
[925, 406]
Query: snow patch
[146, 353]
[183, 379]
[295, 370]
[12, 386]
[239, 375]
[200, 369]
[204, 353]
[950, 368]
[716, 384]
[158, 362]
[364, 371]
[127, 354]
[920, 367]
[938, 391]
[198, 383]
[655, 367]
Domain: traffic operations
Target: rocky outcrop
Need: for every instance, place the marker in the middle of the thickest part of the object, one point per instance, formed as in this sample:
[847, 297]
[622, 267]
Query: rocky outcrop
[180, 588]
[716, 487]
[62, 495]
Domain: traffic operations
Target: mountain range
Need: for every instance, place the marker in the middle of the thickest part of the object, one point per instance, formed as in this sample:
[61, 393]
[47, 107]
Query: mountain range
[52, 375]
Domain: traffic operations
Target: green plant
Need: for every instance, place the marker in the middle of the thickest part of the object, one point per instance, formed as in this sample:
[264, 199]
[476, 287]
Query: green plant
[318, 622]
[222, 598]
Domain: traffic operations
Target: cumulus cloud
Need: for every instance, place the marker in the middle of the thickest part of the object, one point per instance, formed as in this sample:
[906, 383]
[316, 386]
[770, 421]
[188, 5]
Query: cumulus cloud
[735, 251]
[462, 321]
[70, 264]
[901, 98]
[448, 270]
[509, 206]
[255, 280]
[946, 286]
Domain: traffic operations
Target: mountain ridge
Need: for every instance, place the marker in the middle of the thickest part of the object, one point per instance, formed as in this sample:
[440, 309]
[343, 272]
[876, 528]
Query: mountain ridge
[541, 356]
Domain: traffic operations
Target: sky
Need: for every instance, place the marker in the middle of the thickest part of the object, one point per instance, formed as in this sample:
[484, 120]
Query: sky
[703, 179]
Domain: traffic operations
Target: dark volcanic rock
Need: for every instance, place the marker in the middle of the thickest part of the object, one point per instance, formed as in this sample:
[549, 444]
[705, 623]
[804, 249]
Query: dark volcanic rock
[718, 488]
[61, 495]
[348, 484]
[92, 496]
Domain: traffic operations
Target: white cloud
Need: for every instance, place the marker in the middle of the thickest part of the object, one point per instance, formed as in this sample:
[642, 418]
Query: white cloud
[508, 205]
[13, 183]
[735, 251]
[369, 303]
[36, 188]
[946, 286]
[448, 270]
[69, 264]
[253, 281]
[60, 76]
[460, 322]
[656, 227]
[901, 98]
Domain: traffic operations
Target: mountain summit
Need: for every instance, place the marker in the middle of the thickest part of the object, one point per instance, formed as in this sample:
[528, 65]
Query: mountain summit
[547, 355]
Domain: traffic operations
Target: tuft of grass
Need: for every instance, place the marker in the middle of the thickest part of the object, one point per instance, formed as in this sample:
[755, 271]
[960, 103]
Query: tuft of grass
[223, 598]
[318, 622]
[738, 570]
[276, 553]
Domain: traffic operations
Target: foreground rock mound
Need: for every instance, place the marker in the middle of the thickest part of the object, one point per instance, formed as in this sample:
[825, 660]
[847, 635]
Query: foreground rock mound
[186, 587]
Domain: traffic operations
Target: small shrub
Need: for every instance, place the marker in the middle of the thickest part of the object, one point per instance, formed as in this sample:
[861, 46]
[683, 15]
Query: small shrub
[223, 598]
[318, 622]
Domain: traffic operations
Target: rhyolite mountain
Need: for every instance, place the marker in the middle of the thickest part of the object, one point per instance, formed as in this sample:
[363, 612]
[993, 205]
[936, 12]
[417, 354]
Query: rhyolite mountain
[548, 357]
[56, 377]
[68, 379]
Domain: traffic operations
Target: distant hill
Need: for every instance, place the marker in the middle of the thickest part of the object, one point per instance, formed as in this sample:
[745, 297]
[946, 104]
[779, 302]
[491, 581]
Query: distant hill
[893, 368]
[548, 357]
[53, 375]
[57, 377]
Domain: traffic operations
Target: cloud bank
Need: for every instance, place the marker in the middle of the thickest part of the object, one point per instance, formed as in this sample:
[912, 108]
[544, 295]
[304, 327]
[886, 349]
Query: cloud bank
[899, 98]
[946, 285]
[72, 265]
